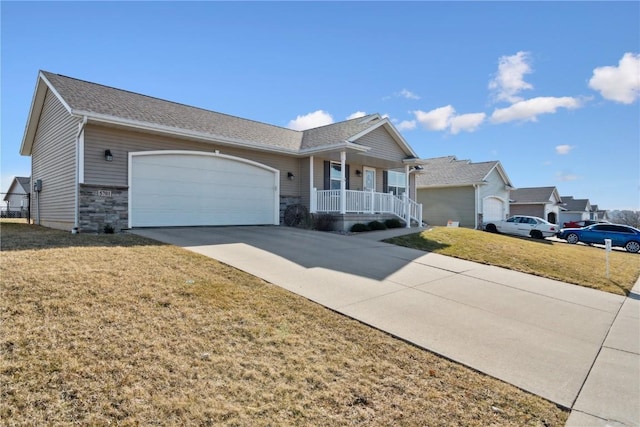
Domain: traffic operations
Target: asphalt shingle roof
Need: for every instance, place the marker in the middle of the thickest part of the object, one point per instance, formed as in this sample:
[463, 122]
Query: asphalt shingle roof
[448, 170]
[95, 98]
[83, 96]
[25, 182]
[572, 204]
[532, 195]
[337, 132]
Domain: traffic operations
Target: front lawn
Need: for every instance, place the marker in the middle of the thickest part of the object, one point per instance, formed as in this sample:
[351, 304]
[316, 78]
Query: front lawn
[578, 264]
[117, 329]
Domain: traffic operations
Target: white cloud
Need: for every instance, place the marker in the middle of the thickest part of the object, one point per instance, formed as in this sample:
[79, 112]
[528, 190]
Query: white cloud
[466, 122]
[438, 119]
[356, 115]
[509, 79]
[621, 83]
[564, 149]
[530, 109]
[311, 120]
[404, 93]
[445, 118]
[406, 125]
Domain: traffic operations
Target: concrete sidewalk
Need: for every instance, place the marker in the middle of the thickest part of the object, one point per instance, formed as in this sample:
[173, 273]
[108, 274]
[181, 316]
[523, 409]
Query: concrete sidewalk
[574, 346]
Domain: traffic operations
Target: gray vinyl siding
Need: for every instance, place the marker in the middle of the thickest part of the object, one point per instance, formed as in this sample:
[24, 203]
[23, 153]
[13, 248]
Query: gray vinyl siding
[530, 210]
[53, 160]
[439, 205]
[383, 146]
[97, 171]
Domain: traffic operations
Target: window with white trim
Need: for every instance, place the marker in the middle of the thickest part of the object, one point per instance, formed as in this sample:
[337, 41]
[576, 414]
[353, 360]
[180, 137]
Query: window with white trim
[335, 175]
[396, 182]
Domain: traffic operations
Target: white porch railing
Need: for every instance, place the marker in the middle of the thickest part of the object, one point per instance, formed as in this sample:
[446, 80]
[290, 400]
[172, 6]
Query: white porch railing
[367, 202]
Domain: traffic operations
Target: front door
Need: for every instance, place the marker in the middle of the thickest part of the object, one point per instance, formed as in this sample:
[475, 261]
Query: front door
[369, 183]
[369, 186]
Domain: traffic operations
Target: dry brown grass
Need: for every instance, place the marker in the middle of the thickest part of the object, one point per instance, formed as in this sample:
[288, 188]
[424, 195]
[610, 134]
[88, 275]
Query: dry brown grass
[116, 329]
[578, 264]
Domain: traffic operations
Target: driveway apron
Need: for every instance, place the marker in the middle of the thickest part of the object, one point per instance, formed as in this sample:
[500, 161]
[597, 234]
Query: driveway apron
[538, 334]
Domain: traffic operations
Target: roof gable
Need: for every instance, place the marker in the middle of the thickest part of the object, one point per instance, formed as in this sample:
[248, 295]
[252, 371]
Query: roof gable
[351, 131]
[448, 171]
[19, 185]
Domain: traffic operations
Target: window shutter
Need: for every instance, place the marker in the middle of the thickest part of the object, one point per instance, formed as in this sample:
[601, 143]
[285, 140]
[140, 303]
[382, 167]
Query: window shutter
[385, 182]
[346, 174]
[327, 175]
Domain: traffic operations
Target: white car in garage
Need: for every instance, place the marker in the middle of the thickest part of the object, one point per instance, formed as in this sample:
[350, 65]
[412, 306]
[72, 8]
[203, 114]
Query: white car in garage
[520, 225]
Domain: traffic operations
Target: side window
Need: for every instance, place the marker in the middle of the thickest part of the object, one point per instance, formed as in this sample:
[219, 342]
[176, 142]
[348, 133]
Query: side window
[620, 229]
[512, 219]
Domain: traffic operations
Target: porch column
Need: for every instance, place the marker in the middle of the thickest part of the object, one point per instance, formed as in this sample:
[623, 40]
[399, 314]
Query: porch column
[407, 208]
[313, 196]
[343, 182]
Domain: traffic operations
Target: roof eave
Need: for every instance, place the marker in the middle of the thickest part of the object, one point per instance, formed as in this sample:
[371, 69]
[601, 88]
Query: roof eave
[37, 103]
[333, 147]
[466, 184]
[169, 130]
[502, 172]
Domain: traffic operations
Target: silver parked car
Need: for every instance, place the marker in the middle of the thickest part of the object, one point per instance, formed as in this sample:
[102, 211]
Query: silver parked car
[521, 225]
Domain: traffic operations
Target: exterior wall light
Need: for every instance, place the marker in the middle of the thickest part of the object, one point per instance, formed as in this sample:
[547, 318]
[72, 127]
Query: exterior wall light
[358, 173]
[108, 156]
[290, 175]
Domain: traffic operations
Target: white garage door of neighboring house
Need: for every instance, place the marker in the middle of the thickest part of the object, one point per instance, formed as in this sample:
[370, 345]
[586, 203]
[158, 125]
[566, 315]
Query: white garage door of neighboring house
[183, 188]
[492, 209]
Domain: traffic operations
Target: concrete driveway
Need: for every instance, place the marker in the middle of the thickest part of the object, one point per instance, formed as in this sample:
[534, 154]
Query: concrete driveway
[571, 345]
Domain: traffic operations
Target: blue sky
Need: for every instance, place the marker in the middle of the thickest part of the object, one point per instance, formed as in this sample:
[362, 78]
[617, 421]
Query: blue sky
[551, 89]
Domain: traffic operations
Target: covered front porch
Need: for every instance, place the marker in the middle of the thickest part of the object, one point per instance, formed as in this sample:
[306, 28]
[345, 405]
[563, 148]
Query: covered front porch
[365, 203]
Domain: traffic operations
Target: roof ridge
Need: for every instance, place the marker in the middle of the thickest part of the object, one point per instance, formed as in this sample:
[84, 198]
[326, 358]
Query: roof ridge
[342, 121]
[168, 101]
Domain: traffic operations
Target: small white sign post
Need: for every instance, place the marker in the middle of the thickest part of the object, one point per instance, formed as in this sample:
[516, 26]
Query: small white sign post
[607, 249]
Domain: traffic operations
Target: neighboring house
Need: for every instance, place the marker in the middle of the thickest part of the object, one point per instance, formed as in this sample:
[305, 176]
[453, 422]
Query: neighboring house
[543, 202]
[574, 210]
[106, 156]
[17, 198]
[462, 191]
[598, 214]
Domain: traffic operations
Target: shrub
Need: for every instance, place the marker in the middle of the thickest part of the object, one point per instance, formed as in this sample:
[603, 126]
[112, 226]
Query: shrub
[108, 229]
[359, 227]
[377, 225]
[323, 222]
[393, 223]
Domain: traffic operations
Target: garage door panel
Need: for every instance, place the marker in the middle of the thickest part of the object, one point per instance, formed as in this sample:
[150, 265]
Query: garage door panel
[205, 189]
[493, 209]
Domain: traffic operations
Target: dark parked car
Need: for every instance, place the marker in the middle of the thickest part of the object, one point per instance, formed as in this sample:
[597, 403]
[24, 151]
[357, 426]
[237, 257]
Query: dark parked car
[622, 236]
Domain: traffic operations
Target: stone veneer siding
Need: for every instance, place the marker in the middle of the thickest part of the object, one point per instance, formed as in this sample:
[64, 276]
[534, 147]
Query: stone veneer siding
[286, 201]
[101, 205]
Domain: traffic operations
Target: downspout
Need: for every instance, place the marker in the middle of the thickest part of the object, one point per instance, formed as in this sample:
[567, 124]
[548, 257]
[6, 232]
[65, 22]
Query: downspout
[313, 198]
[76, 213]
[476, 203]
[343, 182]
[407, 208]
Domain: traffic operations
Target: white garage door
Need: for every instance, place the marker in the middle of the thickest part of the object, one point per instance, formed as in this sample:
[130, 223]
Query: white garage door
[492, 209]
[174, 188]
